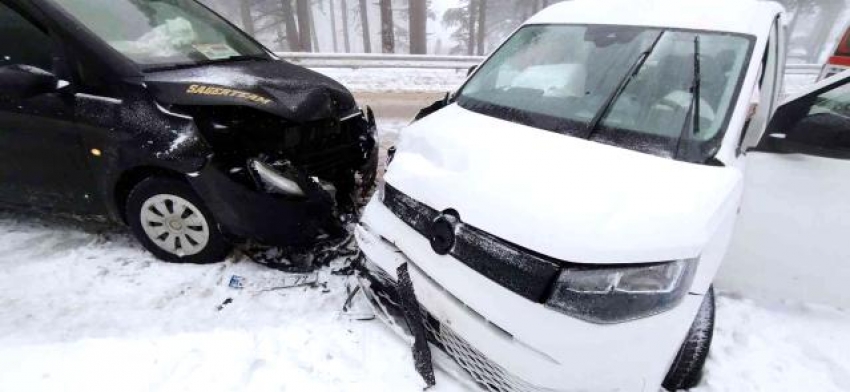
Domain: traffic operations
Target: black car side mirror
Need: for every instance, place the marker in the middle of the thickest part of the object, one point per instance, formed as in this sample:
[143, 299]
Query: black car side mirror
[23, 81]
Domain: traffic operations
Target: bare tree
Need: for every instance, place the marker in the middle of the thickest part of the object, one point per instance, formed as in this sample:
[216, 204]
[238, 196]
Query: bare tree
[474, 24]
[482, 26]
[247, 19]
[470, 39]
[364, 21]
[333, 26]
[313, 34]
[458, 19]
[292, 36]
[303, 10]
[387, 26]
[345, 28]
[418, 20]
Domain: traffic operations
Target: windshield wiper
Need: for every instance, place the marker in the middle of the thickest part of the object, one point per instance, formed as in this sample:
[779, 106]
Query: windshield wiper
[693, 116]
[241, 57]
[171, 67]
[633, 71]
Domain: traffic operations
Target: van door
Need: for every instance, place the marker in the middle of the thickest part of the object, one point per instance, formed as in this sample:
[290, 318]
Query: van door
[41, 156]
[793, 235]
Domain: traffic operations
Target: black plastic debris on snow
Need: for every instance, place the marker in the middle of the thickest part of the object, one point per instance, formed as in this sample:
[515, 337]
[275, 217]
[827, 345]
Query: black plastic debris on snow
[416, 325]
[224, 304]
[304, 259]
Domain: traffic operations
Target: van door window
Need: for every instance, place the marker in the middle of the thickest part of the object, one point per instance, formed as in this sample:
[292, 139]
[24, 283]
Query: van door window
[23, 42]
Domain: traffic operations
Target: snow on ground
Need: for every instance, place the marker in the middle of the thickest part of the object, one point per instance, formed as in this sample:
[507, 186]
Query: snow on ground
[392, 80]
[389, 128]
[778, 347]
[84, 308]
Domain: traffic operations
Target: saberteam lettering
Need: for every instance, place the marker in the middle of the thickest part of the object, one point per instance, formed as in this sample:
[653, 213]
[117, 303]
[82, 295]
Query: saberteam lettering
[226, 92]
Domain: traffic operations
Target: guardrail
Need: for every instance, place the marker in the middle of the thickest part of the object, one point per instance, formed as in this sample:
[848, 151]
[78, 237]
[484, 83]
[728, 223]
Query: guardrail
[365, 60]
[356, 61]
[803, 69]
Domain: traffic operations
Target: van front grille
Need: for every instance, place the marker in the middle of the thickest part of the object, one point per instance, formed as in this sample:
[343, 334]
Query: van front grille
[490, 376]
[520, 270]
[486, 373]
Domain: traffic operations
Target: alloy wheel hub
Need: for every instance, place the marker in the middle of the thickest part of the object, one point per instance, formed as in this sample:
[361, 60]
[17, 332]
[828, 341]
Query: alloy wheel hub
[175, 225]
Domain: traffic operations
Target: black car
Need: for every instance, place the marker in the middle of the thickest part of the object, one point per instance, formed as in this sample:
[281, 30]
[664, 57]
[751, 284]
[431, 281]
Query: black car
[162, 115]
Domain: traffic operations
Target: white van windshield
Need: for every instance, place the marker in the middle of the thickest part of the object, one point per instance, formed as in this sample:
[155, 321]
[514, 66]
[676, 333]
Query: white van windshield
[634, 87]
[163, 33]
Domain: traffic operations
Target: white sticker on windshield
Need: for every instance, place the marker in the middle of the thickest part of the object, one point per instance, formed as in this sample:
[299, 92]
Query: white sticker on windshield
[216, 51]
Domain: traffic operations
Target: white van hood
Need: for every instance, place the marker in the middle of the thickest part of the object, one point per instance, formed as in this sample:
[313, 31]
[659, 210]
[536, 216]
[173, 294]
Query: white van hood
[561, 196]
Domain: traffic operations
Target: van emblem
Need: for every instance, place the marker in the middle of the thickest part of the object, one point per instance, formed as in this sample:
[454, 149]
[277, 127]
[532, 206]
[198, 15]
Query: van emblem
[442, 233]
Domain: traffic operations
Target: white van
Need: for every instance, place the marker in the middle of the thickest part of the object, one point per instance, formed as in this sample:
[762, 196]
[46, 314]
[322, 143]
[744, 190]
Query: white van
[563, 218]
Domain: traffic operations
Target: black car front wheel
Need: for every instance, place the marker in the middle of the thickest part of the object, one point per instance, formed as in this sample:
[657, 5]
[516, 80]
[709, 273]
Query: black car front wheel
[173, 223]
[686, 371]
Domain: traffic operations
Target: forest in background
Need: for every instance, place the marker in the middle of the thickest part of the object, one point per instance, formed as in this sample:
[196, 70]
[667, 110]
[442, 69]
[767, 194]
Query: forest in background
[458, 27]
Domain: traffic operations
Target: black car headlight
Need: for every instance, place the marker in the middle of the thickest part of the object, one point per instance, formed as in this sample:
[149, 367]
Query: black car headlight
[607, 295]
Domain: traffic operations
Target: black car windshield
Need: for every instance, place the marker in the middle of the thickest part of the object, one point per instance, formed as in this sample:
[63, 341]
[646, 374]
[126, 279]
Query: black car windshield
[163, 33]
[566, 78]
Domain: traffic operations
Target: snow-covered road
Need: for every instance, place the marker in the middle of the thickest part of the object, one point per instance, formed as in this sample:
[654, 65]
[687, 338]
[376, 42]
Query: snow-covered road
[84, 308]
[91, 311]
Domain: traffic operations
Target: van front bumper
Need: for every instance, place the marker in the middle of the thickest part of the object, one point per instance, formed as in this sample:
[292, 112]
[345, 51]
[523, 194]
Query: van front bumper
[502, 341]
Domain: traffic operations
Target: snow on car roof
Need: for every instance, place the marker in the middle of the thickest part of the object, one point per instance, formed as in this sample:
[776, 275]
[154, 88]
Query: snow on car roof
[734, 16]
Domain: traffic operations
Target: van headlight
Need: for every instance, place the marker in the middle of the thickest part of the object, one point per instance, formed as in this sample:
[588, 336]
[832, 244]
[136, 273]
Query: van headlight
[608, 295]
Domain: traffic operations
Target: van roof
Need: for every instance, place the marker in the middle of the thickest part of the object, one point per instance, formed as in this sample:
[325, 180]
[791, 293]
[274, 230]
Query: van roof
[733, 16]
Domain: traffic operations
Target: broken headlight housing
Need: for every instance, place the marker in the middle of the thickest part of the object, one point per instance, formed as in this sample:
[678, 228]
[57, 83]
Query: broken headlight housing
[275, 181]
[607, 295]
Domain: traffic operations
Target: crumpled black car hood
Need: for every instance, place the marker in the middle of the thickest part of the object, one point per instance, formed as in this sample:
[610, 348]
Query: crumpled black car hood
[278, 87]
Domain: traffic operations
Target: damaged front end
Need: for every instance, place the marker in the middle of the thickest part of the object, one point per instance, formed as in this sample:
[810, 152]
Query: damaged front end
[280, 182]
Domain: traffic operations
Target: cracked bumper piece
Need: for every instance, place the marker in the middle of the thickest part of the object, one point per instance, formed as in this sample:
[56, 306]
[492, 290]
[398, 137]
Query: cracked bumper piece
[253, 214]
[499, 339]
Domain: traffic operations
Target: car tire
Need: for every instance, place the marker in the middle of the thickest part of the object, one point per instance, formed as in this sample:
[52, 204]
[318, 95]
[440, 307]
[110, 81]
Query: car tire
[172, 222]
[686, 371]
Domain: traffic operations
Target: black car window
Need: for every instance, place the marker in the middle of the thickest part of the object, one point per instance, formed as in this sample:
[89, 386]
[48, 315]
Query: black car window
[23, 42]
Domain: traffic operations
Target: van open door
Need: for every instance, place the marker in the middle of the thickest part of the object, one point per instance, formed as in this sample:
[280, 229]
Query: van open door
[840, 60]
[791, 241]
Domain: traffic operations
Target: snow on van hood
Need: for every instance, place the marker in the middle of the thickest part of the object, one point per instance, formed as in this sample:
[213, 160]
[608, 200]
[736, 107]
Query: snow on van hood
[278, 87]
[561, 196]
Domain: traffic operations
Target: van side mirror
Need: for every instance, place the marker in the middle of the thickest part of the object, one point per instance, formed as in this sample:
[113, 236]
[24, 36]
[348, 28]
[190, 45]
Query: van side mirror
[23, 81]
[434, 107]
[822, 134]
[471, 70]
